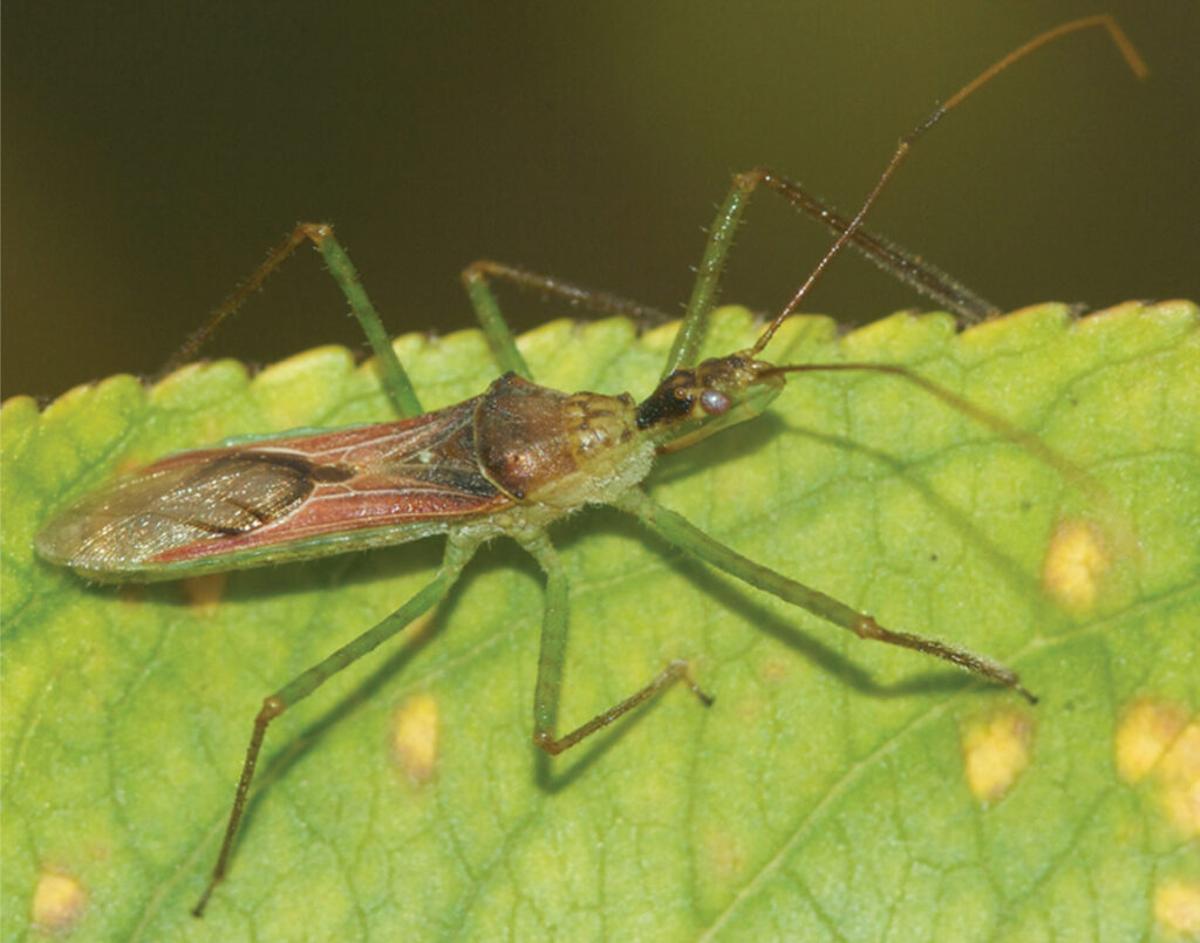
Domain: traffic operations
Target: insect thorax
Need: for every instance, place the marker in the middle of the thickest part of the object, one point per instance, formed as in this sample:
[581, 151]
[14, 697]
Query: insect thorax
[559, 449]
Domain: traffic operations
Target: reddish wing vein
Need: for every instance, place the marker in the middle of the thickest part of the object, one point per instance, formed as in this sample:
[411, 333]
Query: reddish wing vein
[198, 505]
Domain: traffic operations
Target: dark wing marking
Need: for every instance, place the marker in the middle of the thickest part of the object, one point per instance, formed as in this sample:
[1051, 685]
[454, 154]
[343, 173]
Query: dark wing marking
[276, 494]
[174, 503]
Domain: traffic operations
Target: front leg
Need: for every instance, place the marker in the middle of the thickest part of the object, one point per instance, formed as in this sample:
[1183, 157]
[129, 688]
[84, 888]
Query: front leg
[677, 531]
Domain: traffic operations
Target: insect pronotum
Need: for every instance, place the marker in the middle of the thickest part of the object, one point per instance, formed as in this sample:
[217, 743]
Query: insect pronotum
[508, 462]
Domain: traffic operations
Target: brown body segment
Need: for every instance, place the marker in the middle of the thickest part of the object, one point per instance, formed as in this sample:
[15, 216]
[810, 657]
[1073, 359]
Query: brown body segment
[543, 445]
[285, 498]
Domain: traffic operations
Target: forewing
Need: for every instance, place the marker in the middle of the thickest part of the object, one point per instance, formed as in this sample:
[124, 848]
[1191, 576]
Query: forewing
[276, 497]
[199, 496]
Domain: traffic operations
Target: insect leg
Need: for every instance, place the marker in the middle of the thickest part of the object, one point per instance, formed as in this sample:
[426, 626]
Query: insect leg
[396, 383]
[691, 333]
[903, 265]
[476, 276]
[550, 664]
[456, 557]
[677, 531]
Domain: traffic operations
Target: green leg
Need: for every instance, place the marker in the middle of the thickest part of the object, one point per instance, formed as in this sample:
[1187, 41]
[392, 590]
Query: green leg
[457, 555]
[396, 383]
[395, 379]
[677, 531]
[477, 275]
[903, 265]
[553, 652]
[686, 347]
[850, 231]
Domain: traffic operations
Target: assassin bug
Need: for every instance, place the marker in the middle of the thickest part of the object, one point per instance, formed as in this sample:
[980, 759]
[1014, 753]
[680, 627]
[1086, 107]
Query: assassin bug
[508, 462]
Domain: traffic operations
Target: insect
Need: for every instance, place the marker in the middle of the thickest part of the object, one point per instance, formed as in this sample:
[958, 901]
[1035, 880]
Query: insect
[509, 462]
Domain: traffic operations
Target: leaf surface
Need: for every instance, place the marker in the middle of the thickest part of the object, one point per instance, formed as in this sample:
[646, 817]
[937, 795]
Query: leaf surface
[836, 790]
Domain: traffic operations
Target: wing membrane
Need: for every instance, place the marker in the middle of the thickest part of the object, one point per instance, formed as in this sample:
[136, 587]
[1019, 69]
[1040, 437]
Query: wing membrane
[279, 499]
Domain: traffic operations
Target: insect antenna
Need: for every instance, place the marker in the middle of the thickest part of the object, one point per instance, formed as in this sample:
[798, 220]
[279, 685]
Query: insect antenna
[1105, 20]
[1026, 440]
[1118, 527]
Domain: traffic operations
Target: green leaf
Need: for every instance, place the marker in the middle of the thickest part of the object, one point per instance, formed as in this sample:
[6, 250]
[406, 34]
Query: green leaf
[837, 789]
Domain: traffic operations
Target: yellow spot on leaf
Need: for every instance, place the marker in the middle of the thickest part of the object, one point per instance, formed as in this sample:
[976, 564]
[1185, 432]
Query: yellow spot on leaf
[775, 670]
[58, 902]
[415, 737]
[725, 856]
[1177, 908]
[1181, 781]
[1077, 560]
[1146, 731]
[996, 751]
[1159, 738]
[204, 592]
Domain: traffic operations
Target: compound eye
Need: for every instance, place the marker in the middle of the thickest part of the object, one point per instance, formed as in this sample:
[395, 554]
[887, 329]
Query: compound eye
[714, 402]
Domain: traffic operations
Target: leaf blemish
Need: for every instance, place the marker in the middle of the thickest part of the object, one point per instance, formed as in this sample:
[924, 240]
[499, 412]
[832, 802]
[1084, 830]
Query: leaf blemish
[996, 749]
[775, 671]
[1177, 908]
[1159, 738]
[1181, 775]
[58, 902]
[414, 738]
[1076, 562]
[725, 855]
[1147, 730]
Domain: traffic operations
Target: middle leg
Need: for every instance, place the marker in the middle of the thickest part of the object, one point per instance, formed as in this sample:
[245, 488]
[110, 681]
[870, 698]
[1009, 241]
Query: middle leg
[476, 277]
[548, 690]
[687, 537]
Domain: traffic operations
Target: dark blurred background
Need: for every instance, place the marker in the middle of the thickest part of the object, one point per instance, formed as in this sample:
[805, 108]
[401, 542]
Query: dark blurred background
[153, 152]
